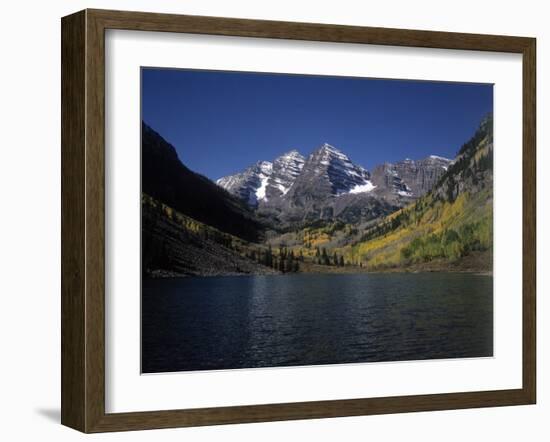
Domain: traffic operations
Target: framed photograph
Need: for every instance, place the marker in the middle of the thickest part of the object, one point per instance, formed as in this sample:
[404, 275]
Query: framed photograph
[267, 221]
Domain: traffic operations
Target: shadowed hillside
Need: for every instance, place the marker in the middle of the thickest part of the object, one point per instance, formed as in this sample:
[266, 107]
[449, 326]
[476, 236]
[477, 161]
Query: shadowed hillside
[174, 244]
[165, 178]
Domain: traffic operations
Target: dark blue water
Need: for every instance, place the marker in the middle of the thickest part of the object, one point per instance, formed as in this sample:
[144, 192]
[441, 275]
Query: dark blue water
[307, 319]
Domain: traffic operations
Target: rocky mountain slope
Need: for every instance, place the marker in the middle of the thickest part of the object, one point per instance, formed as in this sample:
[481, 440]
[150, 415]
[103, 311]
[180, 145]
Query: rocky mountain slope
[409, 177]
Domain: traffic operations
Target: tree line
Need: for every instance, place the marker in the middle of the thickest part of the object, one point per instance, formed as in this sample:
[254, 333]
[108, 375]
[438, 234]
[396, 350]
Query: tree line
[284, 261]
[323, 258]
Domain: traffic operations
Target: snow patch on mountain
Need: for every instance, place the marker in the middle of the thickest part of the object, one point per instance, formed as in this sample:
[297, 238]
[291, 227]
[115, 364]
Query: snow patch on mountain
[266, 167]
[363, 188]
[260, 191]
[437, 157]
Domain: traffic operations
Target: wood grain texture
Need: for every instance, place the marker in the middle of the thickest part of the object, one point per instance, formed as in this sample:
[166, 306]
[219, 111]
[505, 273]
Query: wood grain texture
[308, 410]
[95, 222]
[529, 220]
[83, 220]
[73, 128]
[144, 21]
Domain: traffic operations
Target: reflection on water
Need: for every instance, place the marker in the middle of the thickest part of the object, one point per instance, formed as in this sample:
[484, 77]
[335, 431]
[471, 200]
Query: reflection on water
[307, 319]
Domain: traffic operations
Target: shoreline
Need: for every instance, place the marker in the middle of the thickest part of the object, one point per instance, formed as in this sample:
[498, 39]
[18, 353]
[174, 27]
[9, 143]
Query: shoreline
[167, 274]
[480, 263]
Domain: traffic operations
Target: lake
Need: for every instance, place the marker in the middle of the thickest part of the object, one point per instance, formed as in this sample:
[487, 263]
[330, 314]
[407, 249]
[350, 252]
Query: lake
[308, 319]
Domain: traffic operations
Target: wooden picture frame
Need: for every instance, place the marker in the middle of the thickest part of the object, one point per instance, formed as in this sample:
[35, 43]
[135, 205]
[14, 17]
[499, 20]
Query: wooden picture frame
[83, 220]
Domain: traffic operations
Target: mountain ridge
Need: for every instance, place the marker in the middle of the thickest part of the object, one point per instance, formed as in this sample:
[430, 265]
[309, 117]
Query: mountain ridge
[328, 185]
[232, 184]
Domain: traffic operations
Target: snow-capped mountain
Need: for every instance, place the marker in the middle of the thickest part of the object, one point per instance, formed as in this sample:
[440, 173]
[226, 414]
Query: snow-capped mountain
[328, 185]
[265, 180]
[329, 170]
[250, 184]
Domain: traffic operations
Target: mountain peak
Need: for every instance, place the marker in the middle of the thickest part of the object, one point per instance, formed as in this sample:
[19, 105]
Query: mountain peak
[290, 159]
[329, 168]
[326, 147]
[292, 153]
[265, 166]
[327, 154]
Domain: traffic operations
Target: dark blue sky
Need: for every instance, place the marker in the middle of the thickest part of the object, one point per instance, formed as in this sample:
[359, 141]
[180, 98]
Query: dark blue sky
[222, 122]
